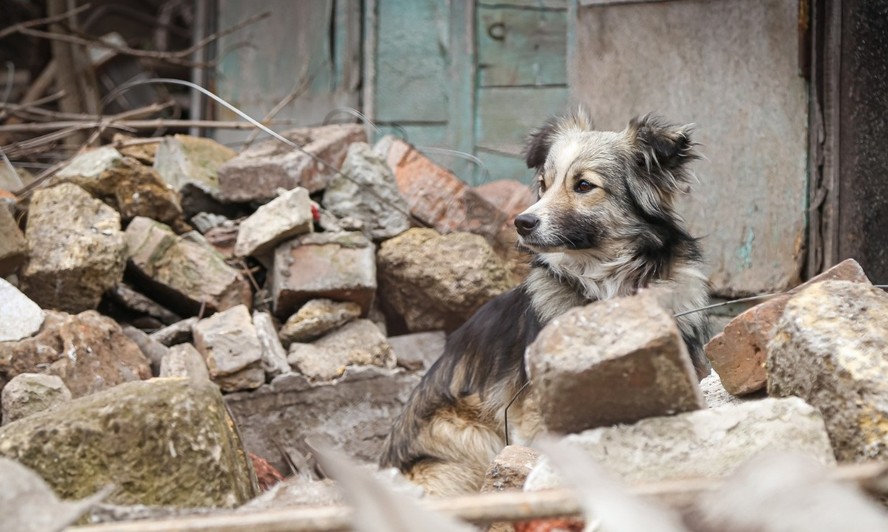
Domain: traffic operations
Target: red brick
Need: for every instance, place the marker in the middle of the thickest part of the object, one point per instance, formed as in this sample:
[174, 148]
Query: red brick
[739, 353]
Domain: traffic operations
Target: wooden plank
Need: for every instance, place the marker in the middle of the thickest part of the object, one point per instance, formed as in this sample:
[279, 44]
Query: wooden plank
[461, 55]
[529, 4]
[507, 114]
[504, 166]
[520, 46]
[682, 60]
[411, 67]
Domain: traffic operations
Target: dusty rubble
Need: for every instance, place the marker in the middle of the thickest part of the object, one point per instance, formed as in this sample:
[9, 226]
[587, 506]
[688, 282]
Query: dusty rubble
[280, 299]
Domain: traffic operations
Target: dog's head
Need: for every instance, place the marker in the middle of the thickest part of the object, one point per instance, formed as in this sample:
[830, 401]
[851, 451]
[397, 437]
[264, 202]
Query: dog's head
[600, 190]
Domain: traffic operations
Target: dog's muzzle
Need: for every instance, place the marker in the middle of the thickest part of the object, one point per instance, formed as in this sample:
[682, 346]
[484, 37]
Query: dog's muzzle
[526, 224]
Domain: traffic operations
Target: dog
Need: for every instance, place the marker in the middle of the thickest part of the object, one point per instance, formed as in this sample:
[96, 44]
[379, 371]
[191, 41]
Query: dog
[604, 226]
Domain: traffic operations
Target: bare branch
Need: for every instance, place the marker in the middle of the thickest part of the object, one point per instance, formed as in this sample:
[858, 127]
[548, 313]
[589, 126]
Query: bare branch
[17, 28]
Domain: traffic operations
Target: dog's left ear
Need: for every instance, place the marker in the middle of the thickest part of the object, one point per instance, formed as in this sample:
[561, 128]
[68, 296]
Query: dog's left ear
[660, 146]
[538, 144]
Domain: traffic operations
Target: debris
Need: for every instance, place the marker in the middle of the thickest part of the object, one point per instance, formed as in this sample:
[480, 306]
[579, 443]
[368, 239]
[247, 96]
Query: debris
[129, 298]
[88, 351]
[370, 194]
[708, 443]
[13, 246]
[186, 162]
[256, 173]
[739, 353]
[338, 266]
[509, 469]
[418, 351]
[19, 316]
[613, 361]
[714, 392]
[29, 393]
[153, 350]
[76, 249]
[316, 318]
[132, 188]
[280, 219]
[437, 282]
[357, 343]
[229, 344]
[274, 357]
[160, 442]
[177, 333]
[183, 273]
[183, 360]
[831, 348]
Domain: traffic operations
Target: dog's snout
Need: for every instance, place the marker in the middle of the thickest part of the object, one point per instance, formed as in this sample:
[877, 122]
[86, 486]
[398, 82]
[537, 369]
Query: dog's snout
[526, 223]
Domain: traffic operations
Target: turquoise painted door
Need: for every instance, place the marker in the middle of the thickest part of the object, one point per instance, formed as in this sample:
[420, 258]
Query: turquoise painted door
[464, 76]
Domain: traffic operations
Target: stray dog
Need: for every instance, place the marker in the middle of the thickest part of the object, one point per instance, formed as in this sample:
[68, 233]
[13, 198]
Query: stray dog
[604, 226]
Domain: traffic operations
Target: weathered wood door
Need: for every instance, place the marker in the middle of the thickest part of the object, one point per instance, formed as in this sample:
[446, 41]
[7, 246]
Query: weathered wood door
[468, 76]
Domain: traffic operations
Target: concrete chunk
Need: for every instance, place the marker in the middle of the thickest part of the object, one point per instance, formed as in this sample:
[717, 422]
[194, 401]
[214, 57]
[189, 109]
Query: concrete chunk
[337, 266]
[19, 316]
[509, 469]
[183, 161]
[708, 443]
[228, 341]
[360, 342]
[181, 272]
[184, 360]
[739, 353]
[280, 219]
[274, 357]
[316, 318]
[76, 249]
[29, 393]
[13, 246]
[418, 351]
[257, 172]
[831, 348]
[613, 361]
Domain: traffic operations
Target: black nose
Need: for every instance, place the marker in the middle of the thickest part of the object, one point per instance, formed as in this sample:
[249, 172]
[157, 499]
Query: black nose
[526, 223]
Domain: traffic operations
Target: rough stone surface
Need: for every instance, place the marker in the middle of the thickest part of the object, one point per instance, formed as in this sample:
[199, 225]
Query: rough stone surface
[437, 282]
[13, 246]
[19, 316]
[439, 198]
[184, 161]
[831, 348]
[338, 266]
[184, 360]
[371, 195]
[257, 172]
[354, 414]
[739, 353]
[229, 343]
[359, 342]
[124, 183]
[153, 350]
[316, 318]
[29, 393]
[714, 392]
[177, 333]
[418, 351]
[707, 443]
[274, 357]
[183, 272]
[509, 469]
[76, 249]
[280, 219]
[88, 351]
[613, 361]
[160, 442]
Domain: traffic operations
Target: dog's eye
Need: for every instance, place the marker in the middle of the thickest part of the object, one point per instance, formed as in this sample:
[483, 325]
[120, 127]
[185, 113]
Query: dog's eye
[582, 186]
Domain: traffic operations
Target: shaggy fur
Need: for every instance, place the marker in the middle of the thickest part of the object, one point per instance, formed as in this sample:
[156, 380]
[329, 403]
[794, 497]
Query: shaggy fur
[604, 226]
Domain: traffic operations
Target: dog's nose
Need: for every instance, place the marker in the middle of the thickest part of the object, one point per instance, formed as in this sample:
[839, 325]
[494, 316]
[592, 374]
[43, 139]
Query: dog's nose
[526, 223]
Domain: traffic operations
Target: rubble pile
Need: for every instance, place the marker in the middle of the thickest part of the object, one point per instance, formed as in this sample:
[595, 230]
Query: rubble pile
[187, 322]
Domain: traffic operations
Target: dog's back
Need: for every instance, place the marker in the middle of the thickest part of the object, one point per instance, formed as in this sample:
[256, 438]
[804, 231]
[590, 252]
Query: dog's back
[604, 226]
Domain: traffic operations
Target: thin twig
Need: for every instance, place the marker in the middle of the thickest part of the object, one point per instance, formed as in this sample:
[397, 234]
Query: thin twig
[17, 28]
[132, 124]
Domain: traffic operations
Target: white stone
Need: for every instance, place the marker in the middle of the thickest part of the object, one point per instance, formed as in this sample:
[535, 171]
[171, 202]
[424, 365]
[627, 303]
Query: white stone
[19, 316]
[280, 219]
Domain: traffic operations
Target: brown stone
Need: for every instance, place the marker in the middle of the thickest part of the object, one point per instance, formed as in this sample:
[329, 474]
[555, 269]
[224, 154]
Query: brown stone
[258, 172]
[337, 266]
[76, 249]
[509, 469]
[739, 353]
[90, 352]
[510, 196]
[613, 361]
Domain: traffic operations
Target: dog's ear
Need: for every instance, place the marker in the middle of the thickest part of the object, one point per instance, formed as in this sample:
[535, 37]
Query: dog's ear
[538, 144]
[660, 145]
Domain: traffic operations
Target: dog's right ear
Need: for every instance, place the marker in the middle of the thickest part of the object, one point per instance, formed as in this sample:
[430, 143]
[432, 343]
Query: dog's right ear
[539, 142]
